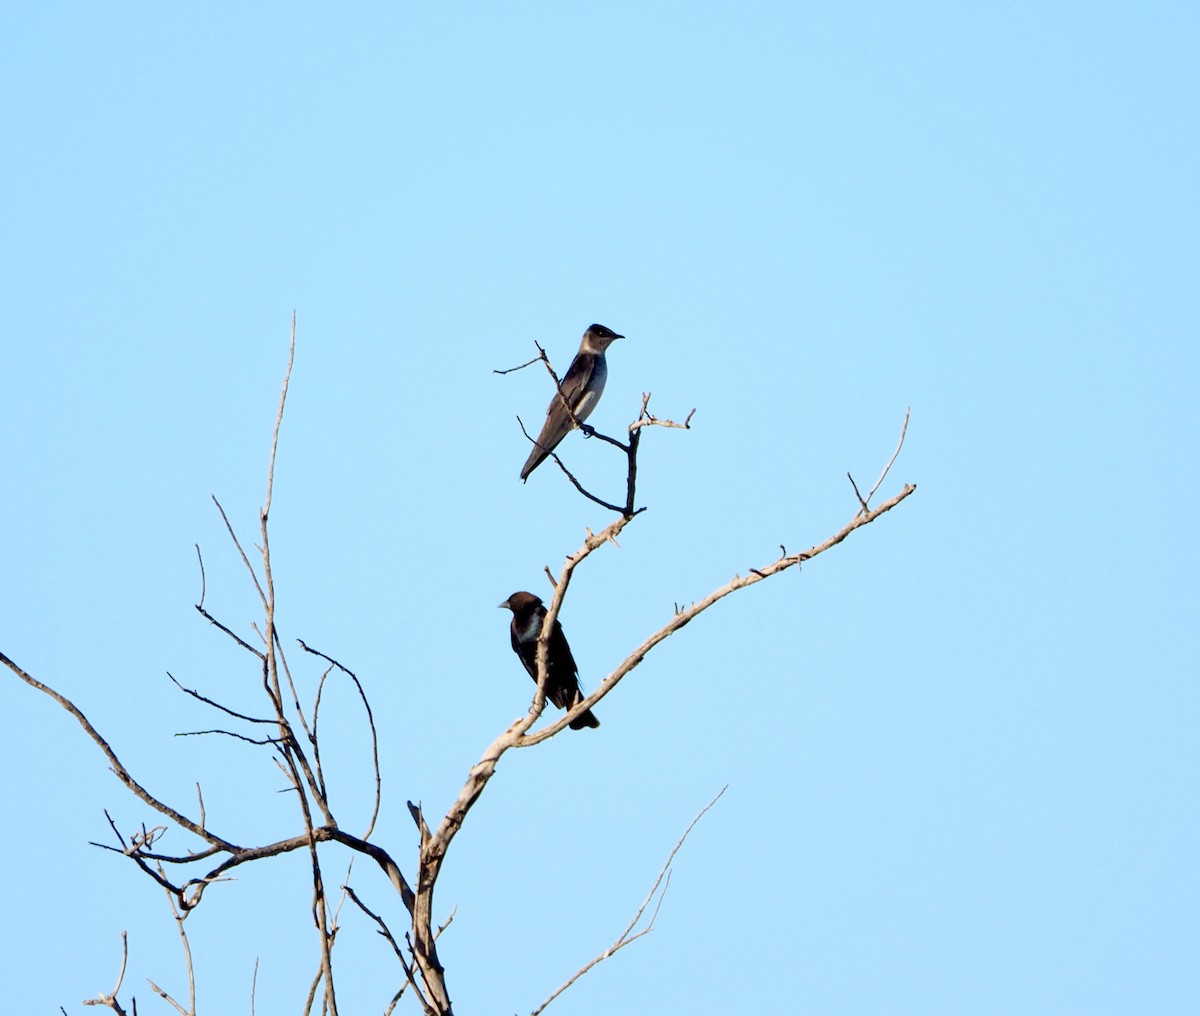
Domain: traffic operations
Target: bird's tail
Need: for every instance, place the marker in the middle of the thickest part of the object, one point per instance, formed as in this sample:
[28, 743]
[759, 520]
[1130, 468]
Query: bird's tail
[536, 458]
[585, 719]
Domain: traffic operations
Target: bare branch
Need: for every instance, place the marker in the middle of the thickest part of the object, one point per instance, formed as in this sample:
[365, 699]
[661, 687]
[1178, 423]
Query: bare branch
[287, 377]
[682, 617]
[203, 584]
[287, 673]
[118, 769]
[628, 935]
[895, 455]
[370, 722]
[521, 367]
[216, 705]
[230, 733]
[648, 419]
[313, 739]
[386, 933]
[236, 638]
[238, 544]
[570, 476]
[865, 506]
[110, 999]
[187, 952]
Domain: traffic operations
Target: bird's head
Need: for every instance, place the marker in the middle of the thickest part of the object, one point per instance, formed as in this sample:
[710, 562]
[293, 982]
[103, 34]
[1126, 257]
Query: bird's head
[521, 603]
[598, 338]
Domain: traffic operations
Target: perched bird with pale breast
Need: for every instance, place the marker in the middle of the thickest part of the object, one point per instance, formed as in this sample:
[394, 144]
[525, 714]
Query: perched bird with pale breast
[562, 676]
[581, 386]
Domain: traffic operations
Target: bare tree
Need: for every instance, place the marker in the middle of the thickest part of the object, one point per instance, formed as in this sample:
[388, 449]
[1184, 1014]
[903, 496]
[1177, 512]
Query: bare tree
[290, 733]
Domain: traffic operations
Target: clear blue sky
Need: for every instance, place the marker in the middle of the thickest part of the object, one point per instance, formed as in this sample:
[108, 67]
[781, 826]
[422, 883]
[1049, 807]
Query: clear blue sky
[961, 748]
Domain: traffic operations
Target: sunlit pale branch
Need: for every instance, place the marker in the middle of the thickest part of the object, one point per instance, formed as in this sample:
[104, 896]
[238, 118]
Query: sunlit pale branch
[287, 377]
[110, 1000]
[648, 419]
[865, 501]
[629, 935]
[682, 617]
[422, 966]
[293, 756]
[187, 956]
[895, 455]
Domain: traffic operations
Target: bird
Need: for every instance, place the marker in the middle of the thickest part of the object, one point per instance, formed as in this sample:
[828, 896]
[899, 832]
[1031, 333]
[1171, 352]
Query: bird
[581, 386]
[562, 675]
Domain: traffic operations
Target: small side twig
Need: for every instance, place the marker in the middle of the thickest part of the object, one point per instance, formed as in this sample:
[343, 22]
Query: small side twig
[216, 705]
[110, 999]
[895, 454]
[628, 935]
[528, 363]
[370, 722]
[865, 502]
[386, 933]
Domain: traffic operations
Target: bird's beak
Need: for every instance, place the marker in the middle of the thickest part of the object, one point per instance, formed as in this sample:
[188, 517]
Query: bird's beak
[503, 605]
[618, 336]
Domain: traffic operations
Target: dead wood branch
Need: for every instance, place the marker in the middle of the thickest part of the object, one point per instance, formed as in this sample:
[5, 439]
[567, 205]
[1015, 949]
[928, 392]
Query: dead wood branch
[628, 935]
[370, 722]
[110, 1000]
[644, 419]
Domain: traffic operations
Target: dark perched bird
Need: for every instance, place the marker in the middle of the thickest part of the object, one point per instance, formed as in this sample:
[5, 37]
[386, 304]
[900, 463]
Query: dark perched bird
[582, 386]
[562, 676]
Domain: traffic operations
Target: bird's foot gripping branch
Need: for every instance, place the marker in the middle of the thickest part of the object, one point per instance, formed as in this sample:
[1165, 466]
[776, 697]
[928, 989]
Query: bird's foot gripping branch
[576, 395]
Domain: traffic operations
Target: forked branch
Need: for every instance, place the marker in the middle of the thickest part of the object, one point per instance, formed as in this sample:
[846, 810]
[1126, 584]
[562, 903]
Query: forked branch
[645, 419]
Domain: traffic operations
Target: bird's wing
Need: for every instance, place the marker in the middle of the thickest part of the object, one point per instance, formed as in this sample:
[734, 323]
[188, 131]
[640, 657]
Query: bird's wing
[563, 680]
[573, 382]
[522, 652]
[558, 423]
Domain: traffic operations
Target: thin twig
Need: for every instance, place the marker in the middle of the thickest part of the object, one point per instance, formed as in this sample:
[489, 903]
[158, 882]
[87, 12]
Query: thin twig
[230, 733]
[216, 705]
[118, 769]
[895, 454]
[570, 476]
[237, 543]
[522, 367]
[370, 722]
[627, 936]
[287, 376]
[187, 949]
[203, 585]
[682, 617]
[110, 999]
[316, 744]
[863, 503]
